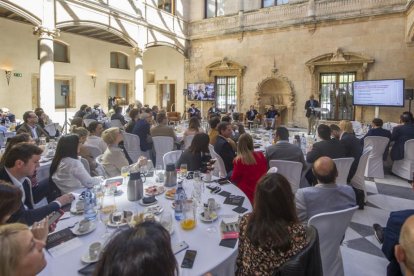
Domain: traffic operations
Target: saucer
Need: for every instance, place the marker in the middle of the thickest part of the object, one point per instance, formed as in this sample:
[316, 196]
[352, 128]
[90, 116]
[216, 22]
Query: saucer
[156, 209]
[147, 204]
[214, 217]
[87, 259]
[92, 227]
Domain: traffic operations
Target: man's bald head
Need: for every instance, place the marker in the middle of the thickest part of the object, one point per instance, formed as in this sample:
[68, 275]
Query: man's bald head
[325, 170]
[404, 252]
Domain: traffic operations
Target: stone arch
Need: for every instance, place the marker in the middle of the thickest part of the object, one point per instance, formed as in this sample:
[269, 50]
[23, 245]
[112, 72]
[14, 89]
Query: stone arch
[112, 30]
[167, 44]
[36, 21]
[279, 91]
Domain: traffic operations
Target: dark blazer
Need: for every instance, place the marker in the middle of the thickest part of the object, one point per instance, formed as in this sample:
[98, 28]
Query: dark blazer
[331, 148]
[226, 152]
[379, 132]
[29, 215]
[400, 134]
[309, 109]
[353, 148]
[285, 151]
[25, 128]
[251, 114]
[142, 129]
[195, 162]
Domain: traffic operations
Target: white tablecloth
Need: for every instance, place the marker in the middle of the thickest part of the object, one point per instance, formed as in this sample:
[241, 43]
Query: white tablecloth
[210, 256]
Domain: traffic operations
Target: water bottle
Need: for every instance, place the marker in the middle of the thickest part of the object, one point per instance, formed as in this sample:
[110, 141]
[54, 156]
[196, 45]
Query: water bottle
[90, 202]
[303, 143]
[179, 200]
[7, 121]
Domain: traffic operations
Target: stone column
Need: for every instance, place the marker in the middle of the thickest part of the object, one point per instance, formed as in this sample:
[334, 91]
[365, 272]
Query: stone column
[47, 68]
[139, 75]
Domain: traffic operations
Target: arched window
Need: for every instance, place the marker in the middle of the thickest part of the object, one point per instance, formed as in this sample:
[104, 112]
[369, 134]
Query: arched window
[60, 51]
[119, 60]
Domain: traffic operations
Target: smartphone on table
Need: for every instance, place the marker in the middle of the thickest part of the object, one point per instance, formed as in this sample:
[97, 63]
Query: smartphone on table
[189, 258]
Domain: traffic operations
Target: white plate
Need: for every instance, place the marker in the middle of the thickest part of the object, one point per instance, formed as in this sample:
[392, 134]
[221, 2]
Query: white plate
[203, 219]
[156, 209]
[75, 230]
[147, 204]
[87, 259]
[158, 190]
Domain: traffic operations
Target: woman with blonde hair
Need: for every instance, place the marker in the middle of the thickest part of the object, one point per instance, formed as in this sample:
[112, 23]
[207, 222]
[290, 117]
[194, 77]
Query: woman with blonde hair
[21, 253]
[248, 166]
[84, 151]
[114, 157]
[194, 127]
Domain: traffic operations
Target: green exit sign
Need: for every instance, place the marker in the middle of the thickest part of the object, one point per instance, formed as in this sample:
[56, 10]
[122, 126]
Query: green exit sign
[18, 75]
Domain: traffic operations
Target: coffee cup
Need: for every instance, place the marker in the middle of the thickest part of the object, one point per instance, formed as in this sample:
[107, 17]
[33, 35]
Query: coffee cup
[84, 226]
[94, 250]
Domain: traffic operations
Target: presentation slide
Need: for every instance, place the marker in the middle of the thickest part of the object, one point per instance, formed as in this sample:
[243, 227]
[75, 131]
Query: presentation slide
[379, 92]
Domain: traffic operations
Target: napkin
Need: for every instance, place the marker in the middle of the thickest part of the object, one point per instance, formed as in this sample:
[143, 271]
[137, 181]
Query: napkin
[230, 243]
[234, 200]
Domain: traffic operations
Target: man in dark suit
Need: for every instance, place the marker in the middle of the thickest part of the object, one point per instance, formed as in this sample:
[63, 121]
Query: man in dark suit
[283, 150]
[400, 134]
[142, 129]
[327, 147]
[377, 130]
[223, 147]
[311, 114]
[31, 127]
[20, 163]
[193, 111]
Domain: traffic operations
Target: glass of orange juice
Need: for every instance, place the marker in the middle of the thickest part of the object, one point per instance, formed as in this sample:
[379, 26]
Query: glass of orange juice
[190, 220]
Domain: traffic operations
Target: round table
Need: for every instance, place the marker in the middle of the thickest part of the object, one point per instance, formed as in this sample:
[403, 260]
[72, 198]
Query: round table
[210, 256]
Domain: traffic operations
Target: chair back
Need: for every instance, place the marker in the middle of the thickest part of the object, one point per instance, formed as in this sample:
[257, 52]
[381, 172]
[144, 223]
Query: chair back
[88, 121]
[51, 129]
[375, 165]
[343, 165]
[307, 262]
[187, 141]
[409, 149]
[85, 163]
[219, 168]
[291, 170]
[162, 145]
[358, 180]
[171, 157]
[405, 167]
[100, 168]
[331, 227]
[132, 145]
[117, 123]
[94, 151]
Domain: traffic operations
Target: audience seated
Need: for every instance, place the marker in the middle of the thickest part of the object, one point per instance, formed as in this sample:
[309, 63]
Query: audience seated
[223, 146]
[251, 114]
[283, 150]
[326, 196]
[129, 108]
[193, 112]
[377, 130]
[21, 252]
[134, 115]
[142, 250]
[353, 147]
[194, 127]
[248, 166]
[94, 139]
[31, 126]
[400, 134]
[389, 237]
[142, 129]
[335, 132]
[81, 112]
[20, 163]
[77, 121]
[5, 112]
[271, 234]
[213, 133]
[162, 129]
[97, 109]
[404, 252]
[90, 114]
[197, 155]
[271, 117]
[115, 157]
[66, 170]
[154, 111]
[213, 111]
[84, 151]
[118, 115]
[10, 201]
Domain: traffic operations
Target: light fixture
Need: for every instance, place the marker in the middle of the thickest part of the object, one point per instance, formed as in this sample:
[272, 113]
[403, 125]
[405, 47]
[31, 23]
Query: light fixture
[8, 76]
[93, 77]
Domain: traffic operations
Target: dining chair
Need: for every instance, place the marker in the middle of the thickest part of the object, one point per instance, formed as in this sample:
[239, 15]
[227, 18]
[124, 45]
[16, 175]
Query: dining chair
[375, 165]
[94, 151]
[132, 145]
[343, 165]
[171, 157]
[405, 167]
[100, 169]
[162, 145]
[219, 168]
[85, 163]
[51, 129]
[358, 180]
[291, 170]
[331, 228]
[117, 123]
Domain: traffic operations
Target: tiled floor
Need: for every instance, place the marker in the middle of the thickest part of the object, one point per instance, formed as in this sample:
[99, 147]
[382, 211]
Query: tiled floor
[361, 252]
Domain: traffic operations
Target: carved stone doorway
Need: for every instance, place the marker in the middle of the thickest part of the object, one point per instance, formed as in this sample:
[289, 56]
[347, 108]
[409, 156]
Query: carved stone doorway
[278, 91]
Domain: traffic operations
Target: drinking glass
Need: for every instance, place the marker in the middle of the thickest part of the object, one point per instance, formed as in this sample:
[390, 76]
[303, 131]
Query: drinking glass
[189, 210]
[183, 170]
[159, 174]
[166, 221]
[117, 218]
[125, 170]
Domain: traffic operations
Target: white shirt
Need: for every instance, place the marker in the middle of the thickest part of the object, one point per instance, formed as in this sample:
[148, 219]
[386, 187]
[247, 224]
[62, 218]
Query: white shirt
[97, 142]
[72, 175]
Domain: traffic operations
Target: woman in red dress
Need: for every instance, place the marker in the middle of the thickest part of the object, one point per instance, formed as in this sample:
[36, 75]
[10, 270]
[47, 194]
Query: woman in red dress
[249, 166]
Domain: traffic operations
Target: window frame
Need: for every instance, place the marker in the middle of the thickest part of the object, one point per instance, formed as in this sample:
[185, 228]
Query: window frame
[275, 3]
[161, 6]
[118, 55]
[66, 46]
